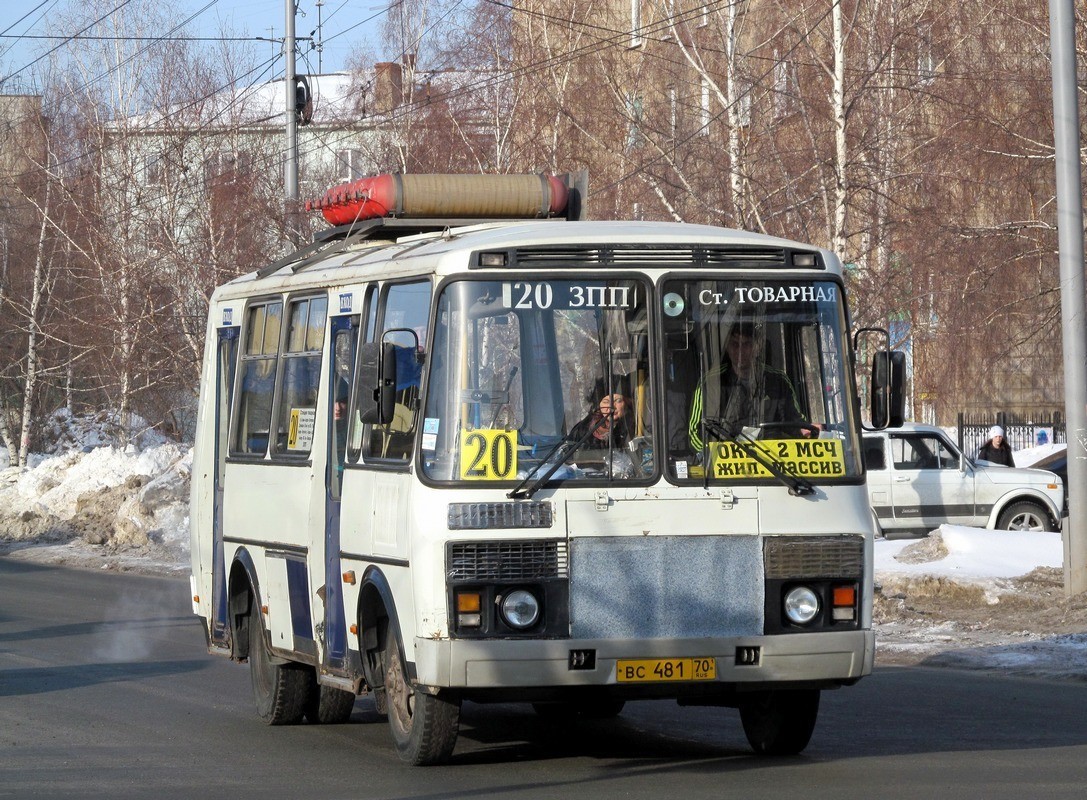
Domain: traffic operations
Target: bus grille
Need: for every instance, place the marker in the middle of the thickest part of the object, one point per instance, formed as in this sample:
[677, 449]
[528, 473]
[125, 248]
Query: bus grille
[814, 556]
[507, 561]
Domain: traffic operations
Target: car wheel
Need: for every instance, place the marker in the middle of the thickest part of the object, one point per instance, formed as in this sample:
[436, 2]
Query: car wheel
[779, 722]
[281, 691]
[1024, 516]
[424, 726]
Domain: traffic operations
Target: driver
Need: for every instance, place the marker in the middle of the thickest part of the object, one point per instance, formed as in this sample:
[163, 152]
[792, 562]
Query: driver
[752, 392]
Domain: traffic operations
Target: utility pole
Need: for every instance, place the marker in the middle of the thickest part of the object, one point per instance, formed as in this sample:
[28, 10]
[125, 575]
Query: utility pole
[290, 171]
[1073, 306]
[320, 38]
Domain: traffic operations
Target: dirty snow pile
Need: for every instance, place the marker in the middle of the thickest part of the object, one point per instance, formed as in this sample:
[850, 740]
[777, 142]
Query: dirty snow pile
[95, 499]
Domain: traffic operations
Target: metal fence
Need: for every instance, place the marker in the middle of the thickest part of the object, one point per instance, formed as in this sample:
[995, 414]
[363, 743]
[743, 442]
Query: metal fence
[1021, 432]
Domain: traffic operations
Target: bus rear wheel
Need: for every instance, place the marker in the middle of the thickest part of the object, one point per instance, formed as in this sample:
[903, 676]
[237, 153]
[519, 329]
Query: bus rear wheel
[327, 705]
[779, 722]
[280, 690]
[424, 726]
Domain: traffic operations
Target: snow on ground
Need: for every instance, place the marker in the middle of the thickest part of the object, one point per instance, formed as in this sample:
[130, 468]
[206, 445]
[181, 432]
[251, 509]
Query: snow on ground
[961, 597]
[94, 501]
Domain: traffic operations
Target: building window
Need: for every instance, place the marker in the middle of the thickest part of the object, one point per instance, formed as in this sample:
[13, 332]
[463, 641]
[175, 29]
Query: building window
[349, 165]
[636, 38]
[634, 120]
[704, 107]
[226, 166]
[154, 171]
[673, 111]
[926, 60]
[784, 86]
[743, 114]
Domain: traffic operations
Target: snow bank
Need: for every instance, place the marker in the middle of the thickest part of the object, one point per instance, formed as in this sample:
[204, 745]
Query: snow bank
[958, 552]
[131, 498]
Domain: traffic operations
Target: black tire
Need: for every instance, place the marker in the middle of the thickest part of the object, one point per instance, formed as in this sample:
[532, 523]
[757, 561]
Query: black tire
[779, 722]
[1024, 516]
[424, 726]
[280, 690]
[327, 705]
[565, 710]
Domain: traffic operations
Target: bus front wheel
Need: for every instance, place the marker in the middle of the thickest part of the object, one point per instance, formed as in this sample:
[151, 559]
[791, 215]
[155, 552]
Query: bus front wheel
[779, 722]
[424, 726]
[280, 690]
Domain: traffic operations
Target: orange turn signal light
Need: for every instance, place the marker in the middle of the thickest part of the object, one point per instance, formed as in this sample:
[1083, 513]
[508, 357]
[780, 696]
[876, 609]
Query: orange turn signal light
[468, 602]
[844, 595]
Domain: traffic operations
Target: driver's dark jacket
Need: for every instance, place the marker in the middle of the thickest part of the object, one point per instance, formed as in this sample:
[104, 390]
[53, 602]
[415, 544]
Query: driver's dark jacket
[773, 400]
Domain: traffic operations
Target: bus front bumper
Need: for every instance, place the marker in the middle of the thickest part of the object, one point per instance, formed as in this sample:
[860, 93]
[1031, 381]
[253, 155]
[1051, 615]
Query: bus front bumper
[831, 657]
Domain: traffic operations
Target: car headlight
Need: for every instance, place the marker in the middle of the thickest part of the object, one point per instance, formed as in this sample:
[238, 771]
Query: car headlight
[801, 605]
[520, 609]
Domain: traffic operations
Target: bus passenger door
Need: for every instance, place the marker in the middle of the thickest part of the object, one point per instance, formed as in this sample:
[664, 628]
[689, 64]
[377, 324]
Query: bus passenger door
[226, 362]
[345, 337]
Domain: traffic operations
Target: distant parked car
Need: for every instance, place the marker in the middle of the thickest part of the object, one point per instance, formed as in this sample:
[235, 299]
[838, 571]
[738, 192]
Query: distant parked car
[1057, 463]
[918, 480]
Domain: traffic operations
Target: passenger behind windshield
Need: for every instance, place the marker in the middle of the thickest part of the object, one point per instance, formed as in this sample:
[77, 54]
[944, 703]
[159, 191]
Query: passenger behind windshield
[608, 420]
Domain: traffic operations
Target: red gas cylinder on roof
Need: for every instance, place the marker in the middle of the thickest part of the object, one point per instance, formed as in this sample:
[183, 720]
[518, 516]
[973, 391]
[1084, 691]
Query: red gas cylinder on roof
[443, 196]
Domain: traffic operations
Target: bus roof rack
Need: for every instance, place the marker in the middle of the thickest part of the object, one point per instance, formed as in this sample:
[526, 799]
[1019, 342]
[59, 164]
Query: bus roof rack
[335, 240]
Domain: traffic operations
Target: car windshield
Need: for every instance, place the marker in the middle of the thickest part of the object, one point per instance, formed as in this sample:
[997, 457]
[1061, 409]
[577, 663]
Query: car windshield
[523, 373]
[757, 361]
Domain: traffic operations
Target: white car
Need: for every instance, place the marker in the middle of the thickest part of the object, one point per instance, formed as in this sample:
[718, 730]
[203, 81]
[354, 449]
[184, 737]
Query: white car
[918, 479]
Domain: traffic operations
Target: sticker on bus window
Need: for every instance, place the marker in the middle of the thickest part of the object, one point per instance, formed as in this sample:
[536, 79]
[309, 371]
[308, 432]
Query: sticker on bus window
[563, 295]
[488, 454]
[805, 458]
[771, 293]
[300, 432]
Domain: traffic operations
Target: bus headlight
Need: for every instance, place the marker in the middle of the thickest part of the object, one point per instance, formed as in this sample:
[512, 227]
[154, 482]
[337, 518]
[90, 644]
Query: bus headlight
[520, 609]
[801, 605]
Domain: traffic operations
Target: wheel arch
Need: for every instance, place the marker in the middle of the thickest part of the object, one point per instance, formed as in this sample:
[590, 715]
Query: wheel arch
[376, 614]
[1024, 496]
[242, 585]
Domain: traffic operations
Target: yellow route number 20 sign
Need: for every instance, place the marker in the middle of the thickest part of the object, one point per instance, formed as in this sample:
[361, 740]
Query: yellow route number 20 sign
[806, 458]
[488, 454]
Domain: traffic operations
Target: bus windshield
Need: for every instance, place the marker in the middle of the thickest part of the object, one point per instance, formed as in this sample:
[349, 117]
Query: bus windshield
[524, 373]
[756, 371]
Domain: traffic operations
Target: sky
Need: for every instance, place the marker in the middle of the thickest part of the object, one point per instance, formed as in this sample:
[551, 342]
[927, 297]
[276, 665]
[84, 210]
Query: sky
[344, 25]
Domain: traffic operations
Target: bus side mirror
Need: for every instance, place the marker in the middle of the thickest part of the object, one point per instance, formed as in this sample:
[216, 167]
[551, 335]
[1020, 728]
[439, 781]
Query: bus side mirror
[377, 382]
[888, 394]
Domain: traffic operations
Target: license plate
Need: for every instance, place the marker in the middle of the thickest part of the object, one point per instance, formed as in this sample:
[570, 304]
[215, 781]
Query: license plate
[657, 670]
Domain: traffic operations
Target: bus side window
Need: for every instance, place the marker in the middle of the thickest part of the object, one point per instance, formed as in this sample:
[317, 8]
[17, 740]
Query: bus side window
[405, 305]
[301, 376]
[257, 373]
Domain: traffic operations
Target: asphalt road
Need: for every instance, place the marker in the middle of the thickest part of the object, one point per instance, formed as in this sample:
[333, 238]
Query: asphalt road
[106, 690]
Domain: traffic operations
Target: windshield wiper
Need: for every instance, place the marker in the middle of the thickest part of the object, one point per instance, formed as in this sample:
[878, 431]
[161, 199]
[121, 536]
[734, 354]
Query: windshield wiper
[525, 489]
[798, 487]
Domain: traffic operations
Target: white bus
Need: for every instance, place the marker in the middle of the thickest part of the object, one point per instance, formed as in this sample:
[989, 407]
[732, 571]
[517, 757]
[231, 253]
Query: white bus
[444, 460]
